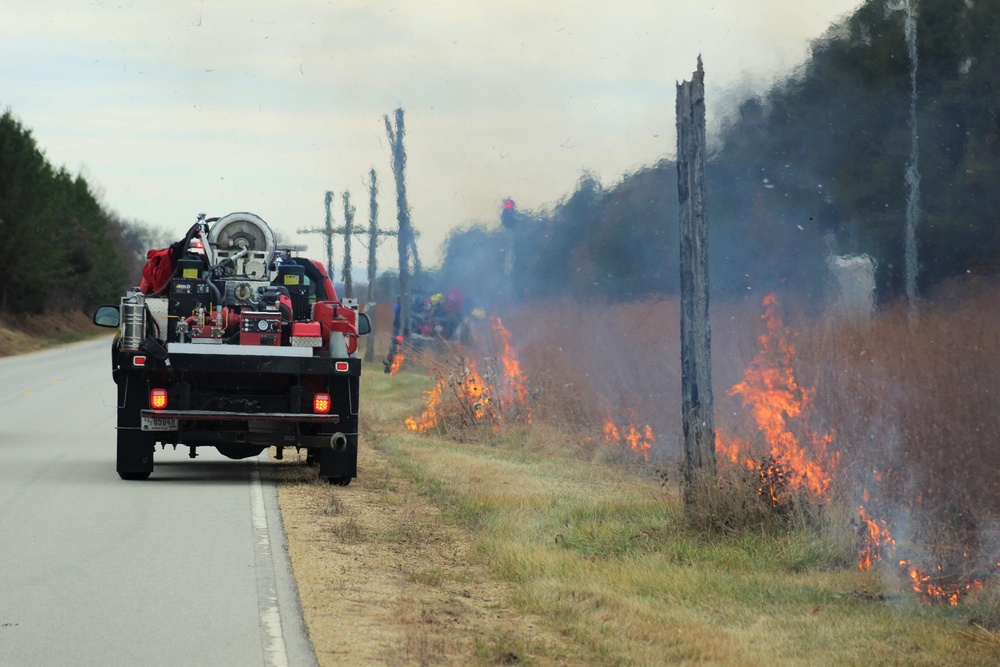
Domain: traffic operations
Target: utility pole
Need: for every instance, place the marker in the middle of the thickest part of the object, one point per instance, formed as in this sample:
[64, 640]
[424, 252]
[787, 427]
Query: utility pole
[347, 231]
[404, 240]
[327, 231]
[373, 239]
[696, 335]
[912, 177]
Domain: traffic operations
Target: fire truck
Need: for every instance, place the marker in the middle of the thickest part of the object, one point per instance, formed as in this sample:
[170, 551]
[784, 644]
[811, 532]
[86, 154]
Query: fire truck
[231, 341]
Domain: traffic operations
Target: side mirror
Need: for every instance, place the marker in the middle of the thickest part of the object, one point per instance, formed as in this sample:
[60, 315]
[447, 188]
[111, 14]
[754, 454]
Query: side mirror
[364, 324]
[107, 316]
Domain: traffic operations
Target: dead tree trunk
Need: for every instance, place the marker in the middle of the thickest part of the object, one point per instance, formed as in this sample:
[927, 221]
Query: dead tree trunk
[328, 231]
[327, 201]
[405, 238]
[348, 232]
[372, 266]
[696, 335]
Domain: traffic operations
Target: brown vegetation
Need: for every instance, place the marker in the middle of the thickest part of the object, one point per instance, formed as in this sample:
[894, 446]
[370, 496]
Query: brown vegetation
[548, 542]
[841, 423]
[35, 332]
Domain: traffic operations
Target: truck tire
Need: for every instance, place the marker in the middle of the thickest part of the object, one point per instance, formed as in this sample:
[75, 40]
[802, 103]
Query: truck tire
[134, 475]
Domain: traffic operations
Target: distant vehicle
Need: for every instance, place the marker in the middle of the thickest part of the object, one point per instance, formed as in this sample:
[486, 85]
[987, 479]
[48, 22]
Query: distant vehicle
[435, 318]
[231, 342]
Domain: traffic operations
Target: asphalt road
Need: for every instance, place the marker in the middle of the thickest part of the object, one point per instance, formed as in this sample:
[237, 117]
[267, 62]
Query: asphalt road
[189, 567]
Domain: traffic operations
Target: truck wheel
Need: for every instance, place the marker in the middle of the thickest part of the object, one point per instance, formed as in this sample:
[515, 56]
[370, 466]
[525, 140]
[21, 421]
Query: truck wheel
[134, 475]
[339, 481]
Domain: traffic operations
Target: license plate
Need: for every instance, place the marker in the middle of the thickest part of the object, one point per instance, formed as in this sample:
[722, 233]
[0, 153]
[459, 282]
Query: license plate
[159, 423]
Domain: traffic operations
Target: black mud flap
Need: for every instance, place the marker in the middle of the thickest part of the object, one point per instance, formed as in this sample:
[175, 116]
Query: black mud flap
[135, 453]
[135, 447]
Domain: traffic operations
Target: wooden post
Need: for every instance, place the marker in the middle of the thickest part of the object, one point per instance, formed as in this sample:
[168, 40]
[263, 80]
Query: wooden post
[328, 201]
[372, 267]
[696, 336]
[327, 231]
[373, 240]
[405, 239]
[347, 231]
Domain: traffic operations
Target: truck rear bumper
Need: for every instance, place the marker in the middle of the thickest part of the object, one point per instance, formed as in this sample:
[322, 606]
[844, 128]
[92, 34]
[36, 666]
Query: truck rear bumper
[212, 415]
[208, 427]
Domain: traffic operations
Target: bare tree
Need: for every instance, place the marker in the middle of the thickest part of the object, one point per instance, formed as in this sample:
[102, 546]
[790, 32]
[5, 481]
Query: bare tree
[696, 335]
[404, 241]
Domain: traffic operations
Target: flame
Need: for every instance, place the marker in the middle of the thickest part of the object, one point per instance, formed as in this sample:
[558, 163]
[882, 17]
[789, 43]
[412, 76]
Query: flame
[733, 450]
[878, 542]
[938, 588]
[776, 401]
[471, 391]
[429, 417]
[935, 586]
[773, 480]
[611, 432]
[468, 390]
[513, 390]
[499, 390]
[638, 440]
[397, 361]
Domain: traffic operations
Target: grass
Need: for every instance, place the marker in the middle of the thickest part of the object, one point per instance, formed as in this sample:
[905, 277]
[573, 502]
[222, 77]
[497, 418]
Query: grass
[613, 565]
[600, 547]
[37, 332]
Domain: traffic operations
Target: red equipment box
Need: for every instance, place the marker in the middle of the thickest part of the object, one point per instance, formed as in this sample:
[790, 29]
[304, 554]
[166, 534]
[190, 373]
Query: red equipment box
[260, 328]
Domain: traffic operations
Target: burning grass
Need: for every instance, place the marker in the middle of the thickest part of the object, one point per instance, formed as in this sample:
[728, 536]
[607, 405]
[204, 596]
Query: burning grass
[608, 559]
[638, 439]
[877, 436]
[464, 399]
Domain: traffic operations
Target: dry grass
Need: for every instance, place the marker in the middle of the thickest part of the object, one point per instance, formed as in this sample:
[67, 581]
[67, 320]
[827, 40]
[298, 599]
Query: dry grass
[36, 332]
[384, 579]
[910, 409]
[607, 558]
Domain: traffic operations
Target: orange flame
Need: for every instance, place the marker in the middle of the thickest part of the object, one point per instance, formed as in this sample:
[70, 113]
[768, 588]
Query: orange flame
[476, 397]
[776, 401]
[429, 418]
[468, 390]
[513, 390]
[937, 588]
[638, 440]
[397, 361]
[878, 542]
[611, 432]
[471, 391]
[733, 450]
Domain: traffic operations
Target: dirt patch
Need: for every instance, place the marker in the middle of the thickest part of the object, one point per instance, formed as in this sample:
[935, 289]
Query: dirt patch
[383, 580]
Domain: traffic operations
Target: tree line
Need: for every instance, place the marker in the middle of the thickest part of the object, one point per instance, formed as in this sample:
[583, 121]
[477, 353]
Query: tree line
[60, 248]
[811, 168]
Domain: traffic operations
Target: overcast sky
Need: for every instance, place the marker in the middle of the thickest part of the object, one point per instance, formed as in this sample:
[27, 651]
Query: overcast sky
[170, 108]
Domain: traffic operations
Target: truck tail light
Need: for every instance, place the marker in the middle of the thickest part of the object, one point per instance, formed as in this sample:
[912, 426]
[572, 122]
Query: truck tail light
[321, 403]
[341, 366]
[158, 399]
[139, 361]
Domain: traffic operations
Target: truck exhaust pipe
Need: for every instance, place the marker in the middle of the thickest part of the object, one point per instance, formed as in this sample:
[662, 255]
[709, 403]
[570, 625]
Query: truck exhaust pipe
[338, 442]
